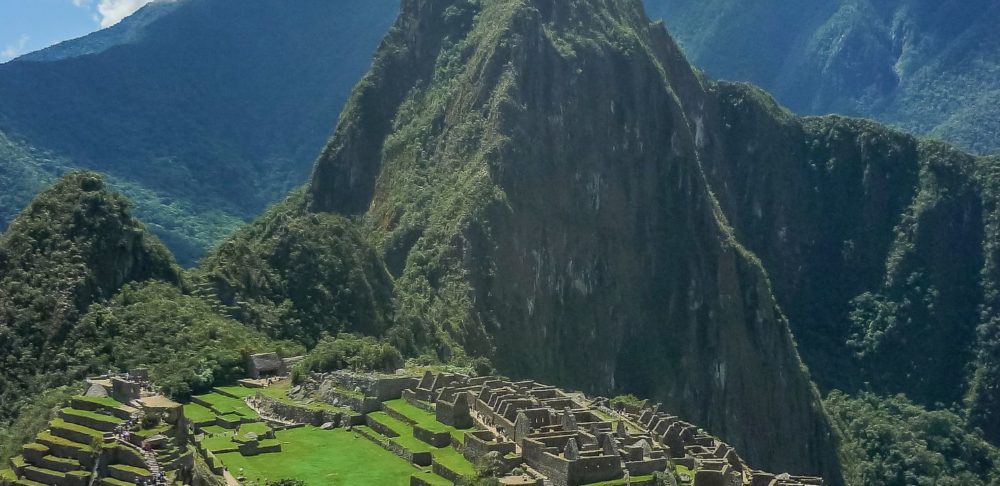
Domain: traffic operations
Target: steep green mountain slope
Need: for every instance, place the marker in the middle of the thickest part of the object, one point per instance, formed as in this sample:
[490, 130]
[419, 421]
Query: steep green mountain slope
[893, 442]
[84, 289]
[297, 275]
[881, 247]
[203, 122]
[74, 245]
[927, 66]
[541, 206]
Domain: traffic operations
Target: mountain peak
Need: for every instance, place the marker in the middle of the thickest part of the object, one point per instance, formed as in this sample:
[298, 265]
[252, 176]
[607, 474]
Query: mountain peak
[530, 171]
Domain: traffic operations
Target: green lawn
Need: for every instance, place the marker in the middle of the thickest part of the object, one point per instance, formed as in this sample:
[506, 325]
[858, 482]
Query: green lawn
[99, 417]
[328, 457]
[454, 460]
[62, 424]
[621, 482]
[219, 442]
[447, 456]
[198, 413]
[103, 401]
[215, 430]
[240, 391]
[258, 428]
[225, 405]
[422, 417]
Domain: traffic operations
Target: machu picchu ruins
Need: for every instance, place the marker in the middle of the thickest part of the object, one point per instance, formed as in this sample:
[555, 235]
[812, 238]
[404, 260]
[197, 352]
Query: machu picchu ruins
[422, 428]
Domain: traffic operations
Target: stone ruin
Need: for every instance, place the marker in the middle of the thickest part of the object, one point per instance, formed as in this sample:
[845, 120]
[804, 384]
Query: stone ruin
[570, 440]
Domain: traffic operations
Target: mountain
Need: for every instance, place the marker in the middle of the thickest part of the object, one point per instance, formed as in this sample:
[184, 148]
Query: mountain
[74, 245]
[203, 123]
[543, 209]
[929, 67]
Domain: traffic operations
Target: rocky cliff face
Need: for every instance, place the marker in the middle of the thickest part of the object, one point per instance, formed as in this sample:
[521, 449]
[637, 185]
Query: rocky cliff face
[530, 170]
[879, 247]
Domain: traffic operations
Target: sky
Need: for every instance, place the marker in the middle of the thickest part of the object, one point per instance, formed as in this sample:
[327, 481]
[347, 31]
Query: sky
[30, 25]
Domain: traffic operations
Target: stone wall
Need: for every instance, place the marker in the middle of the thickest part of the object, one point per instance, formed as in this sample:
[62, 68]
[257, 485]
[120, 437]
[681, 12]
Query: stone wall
[124, 391]
[296, 413]
[478, 444]
[436, 439]
[341, 398]
[383, 387]
[90, 406]
[420, 458]
[456, 413]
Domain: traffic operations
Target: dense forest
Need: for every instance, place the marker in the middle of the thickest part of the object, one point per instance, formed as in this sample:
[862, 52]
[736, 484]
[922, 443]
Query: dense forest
[498, 196]
[202, 124]
[923, 65]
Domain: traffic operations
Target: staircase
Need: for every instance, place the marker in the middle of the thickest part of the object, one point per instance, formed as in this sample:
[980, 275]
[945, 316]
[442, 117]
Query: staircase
[148, 457]
[153, 466]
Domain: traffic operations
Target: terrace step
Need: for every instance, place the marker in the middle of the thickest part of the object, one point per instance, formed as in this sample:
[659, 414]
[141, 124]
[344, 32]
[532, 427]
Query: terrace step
[92, 420]
[74, 432]
[60, 464]
[28, 482]
[44, 476]
[114, 482]
[63, 447]
[128, 474]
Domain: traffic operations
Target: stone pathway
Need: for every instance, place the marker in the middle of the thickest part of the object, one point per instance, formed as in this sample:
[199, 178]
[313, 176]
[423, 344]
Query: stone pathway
[230, 480]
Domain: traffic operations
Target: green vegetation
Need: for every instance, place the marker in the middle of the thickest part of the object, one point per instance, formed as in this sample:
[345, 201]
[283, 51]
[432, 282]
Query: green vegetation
[350, 351]
[223, 405]
[199, 150]
[34, 418]
[296, 276]
[890, 441]
[186, 345]
[74, 245]
[324, 457]
[847, 57]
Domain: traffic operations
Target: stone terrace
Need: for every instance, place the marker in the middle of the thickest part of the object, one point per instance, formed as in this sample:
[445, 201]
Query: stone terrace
[566, 439]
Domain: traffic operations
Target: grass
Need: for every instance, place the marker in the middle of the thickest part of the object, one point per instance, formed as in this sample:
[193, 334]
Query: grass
[621, 482]
[225, 405]
[115, 482]
[198, 413]
[452, 459]
[48, 437]
[447, 456]
[328, 457]
[425, 419]
[102, 401]
[214, 430]
[422, 417]
[258, 428]
[433, 479]
[239, 391]
[63, 460]
[219, 443]
[62, 424]
[132, 469]
[94, 415]
[159, 429]
[279, 392]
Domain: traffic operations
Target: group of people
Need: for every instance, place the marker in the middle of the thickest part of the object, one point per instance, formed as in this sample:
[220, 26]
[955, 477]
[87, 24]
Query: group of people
[123, 432]
[158, 479]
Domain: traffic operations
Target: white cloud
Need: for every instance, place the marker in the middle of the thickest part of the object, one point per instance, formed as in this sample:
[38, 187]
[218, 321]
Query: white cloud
[13, 50]
[81, 3]
[113, 11]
